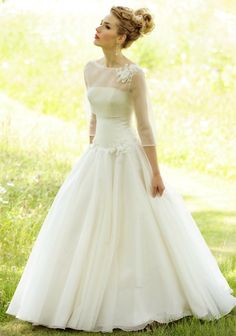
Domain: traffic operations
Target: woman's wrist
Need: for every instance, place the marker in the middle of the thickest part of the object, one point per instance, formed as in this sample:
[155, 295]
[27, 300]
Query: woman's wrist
[91, 137]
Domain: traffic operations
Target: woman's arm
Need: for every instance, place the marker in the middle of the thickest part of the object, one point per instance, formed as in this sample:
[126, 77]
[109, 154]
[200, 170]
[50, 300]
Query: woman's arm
[152, 157]
[92, 115]
[141, 107]
[157, 182]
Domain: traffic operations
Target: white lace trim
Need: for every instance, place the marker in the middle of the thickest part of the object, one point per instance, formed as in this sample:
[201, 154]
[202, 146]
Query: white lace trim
[116, 149]
[125, 74]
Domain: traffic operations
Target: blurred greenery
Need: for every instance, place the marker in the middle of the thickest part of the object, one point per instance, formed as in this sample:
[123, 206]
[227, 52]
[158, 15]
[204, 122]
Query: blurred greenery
[190, 61]
[191, 69]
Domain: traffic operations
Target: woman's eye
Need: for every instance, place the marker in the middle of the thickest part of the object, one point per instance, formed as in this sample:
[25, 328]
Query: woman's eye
[105, 26]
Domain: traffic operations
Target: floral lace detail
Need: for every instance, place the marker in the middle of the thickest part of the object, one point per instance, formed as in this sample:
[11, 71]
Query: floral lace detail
[125, 74]
[116, 149]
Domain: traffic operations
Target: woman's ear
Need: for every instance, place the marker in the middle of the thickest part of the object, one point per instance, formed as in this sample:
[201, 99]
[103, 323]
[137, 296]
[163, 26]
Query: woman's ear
[122, 38]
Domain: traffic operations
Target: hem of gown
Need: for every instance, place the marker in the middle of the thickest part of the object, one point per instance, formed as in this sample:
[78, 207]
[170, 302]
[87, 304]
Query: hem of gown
[139, 326]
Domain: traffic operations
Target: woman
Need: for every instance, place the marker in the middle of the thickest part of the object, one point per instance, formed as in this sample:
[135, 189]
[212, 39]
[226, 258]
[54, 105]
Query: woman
[118, 248]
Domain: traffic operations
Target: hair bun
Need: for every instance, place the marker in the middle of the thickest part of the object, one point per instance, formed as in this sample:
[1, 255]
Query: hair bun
[133, 23]
[144, 19]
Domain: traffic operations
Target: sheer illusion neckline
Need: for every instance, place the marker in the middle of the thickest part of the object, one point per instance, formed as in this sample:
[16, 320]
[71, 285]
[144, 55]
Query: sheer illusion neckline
[113, 68]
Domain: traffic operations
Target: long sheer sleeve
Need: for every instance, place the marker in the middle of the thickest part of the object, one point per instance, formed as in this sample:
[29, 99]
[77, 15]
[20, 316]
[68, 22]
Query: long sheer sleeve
[142, 108]
[92, 120]
[92, 124]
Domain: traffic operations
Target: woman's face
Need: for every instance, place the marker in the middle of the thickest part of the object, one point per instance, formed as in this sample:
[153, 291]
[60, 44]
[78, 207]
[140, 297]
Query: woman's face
[106, 34]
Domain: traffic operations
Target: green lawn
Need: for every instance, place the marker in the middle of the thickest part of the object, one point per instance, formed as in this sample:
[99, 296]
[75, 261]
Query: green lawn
[187, 326]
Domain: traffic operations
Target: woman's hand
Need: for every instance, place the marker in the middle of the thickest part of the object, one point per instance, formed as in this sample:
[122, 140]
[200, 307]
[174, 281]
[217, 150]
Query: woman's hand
[157, 185]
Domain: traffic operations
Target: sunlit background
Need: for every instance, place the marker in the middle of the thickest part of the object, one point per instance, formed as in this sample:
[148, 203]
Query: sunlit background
[189, 59]
[190, 65]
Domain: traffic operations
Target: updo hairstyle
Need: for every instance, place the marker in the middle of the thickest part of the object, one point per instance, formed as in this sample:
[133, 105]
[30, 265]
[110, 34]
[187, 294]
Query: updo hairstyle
[133, 23]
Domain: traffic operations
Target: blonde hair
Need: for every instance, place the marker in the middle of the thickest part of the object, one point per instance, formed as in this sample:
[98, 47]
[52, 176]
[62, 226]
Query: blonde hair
[133, 23]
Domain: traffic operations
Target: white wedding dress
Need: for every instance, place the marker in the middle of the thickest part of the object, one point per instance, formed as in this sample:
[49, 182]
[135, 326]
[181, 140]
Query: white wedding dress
[109, 254]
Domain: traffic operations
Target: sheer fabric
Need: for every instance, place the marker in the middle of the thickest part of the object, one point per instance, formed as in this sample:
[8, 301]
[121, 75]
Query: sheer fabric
[126, 92]
[90, 115]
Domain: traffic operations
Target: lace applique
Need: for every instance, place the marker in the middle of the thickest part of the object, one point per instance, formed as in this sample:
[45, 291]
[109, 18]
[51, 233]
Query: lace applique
[113, 149]
[124, 74]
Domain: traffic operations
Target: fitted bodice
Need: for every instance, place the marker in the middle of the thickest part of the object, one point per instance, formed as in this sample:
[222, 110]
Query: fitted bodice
[113, 111]
[109, 102]
[113, 95]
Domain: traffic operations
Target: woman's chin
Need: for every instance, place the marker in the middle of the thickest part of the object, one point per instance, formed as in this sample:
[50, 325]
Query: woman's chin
[95, 41]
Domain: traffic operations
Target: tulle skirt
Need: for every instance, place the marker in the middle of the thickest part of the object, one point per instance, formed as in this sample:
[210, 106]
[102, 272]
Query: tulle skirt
[109, 255]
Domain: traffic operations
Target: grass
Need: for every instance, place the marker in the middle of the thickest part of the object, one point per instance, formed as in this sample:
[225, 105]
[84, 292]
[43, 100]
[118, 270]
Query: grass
[186, 326]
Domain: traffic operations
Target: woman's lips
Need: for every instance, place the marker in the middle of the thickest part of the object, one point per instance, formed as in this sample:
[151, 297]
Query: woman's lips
[96, 37]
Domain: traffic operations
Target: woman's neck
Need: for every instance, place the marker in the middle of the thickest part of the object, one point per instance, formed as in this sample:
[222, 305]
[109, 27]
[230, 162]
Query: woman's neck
[112, 60]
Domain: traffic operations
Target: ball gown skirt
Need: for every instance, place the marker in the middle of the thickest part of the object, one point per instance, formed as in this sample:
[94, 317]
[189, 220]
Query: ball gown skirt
[109, 255]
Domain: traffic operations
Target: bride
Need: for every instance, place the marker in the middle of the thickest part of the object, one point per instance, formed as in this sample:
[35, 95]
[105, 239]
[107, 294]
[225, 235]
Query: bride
[118, 247]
